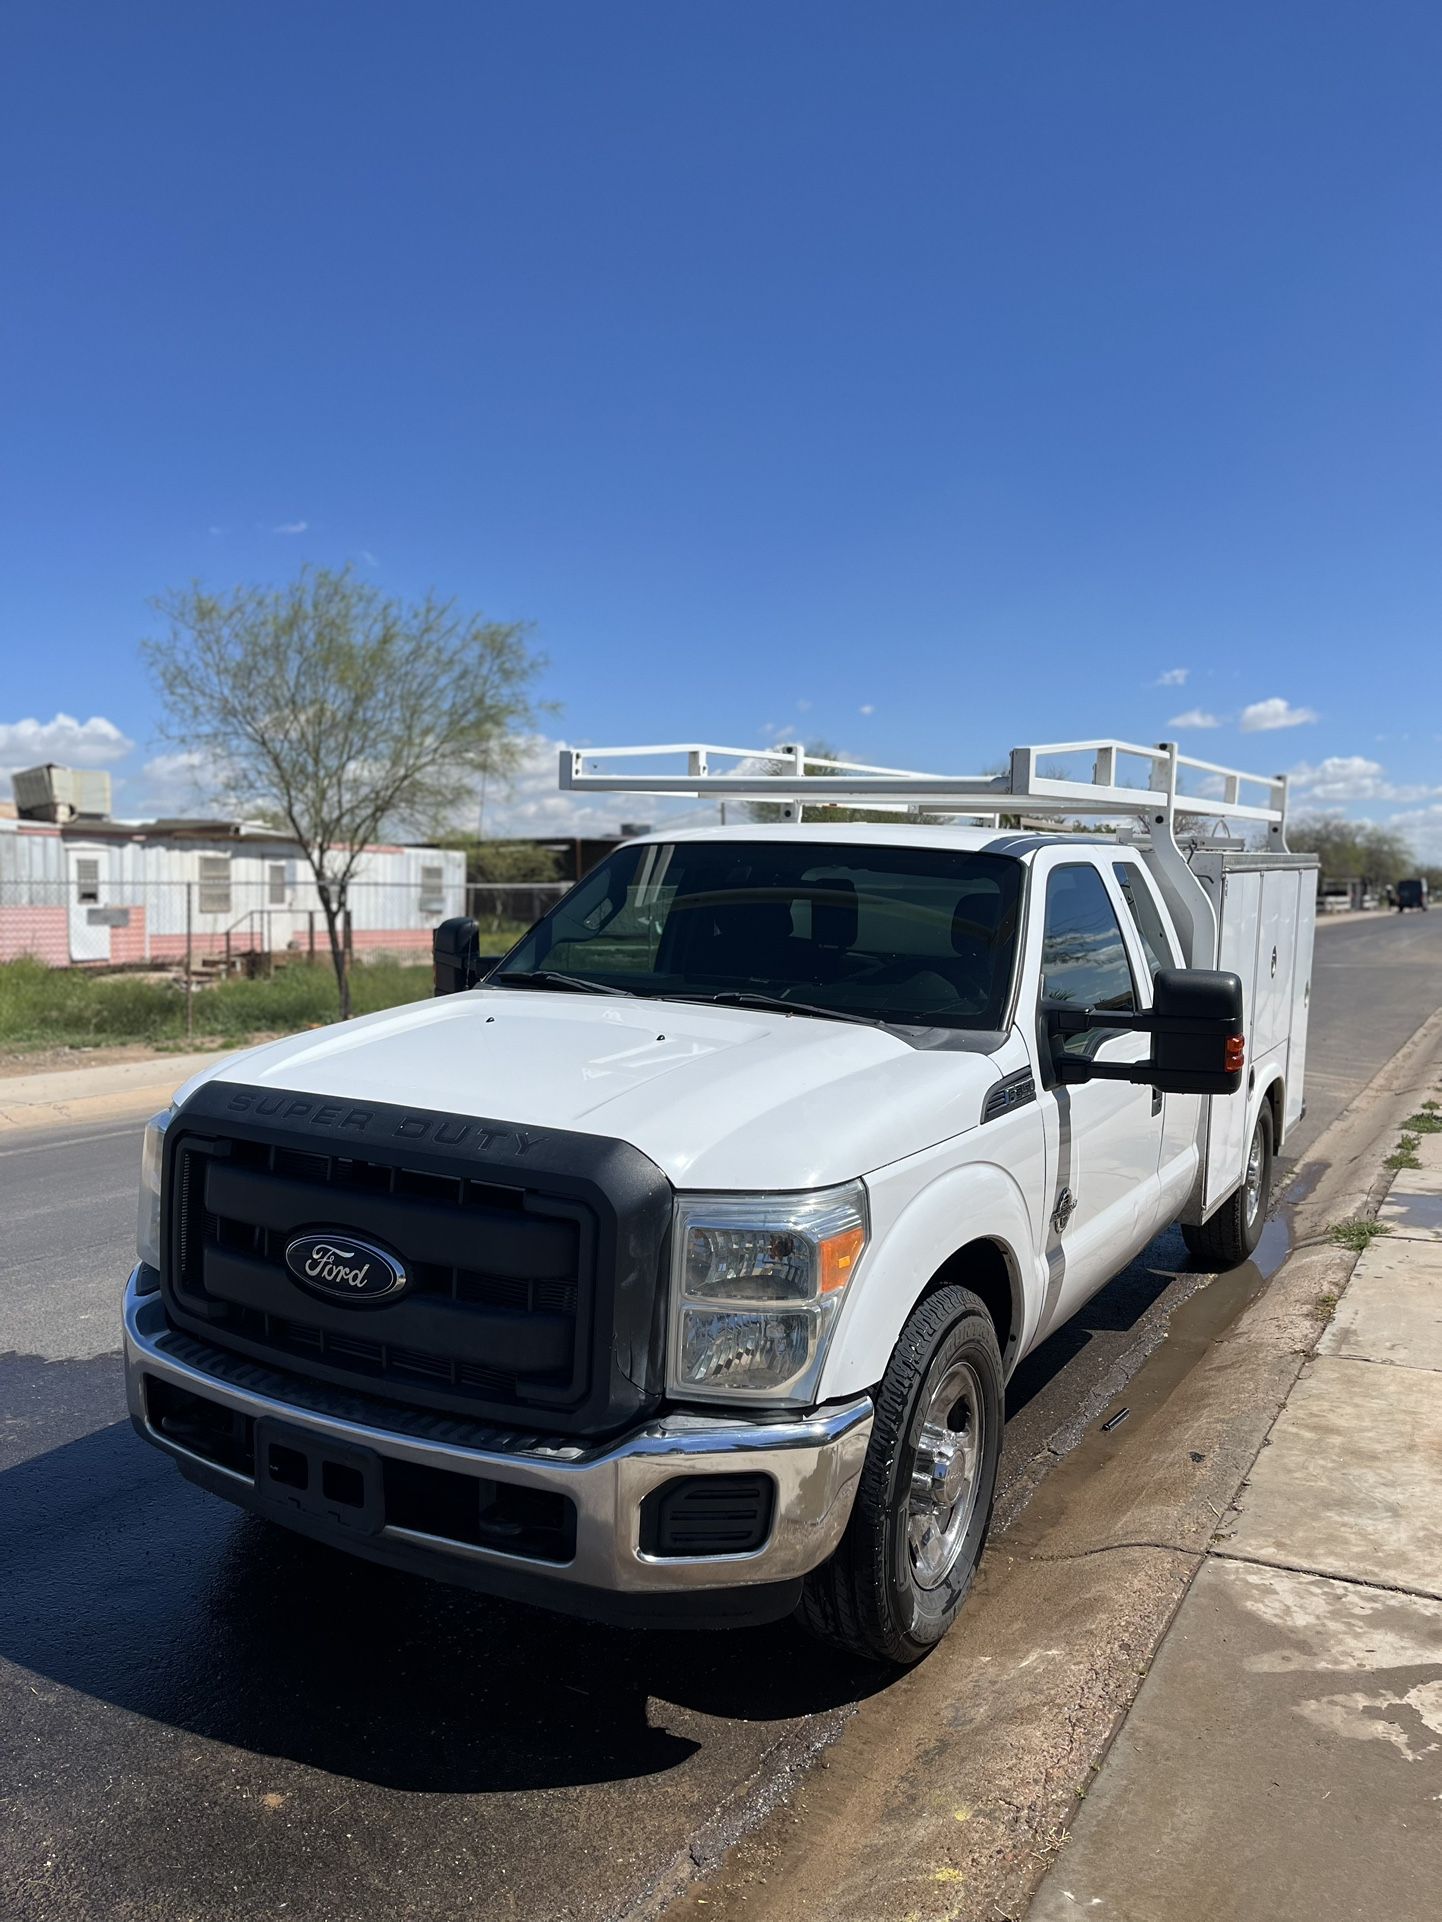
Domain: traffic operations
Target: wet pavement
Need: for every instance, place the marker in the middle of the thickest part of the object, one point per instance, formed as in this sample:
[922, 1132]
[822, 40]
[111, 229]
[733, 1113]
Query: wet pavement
[202, 1716]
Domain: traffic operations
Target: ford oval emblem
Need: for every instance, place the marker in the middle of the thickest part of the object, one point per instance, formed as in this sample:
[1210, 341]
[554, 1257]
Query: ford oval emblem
[344, 1268]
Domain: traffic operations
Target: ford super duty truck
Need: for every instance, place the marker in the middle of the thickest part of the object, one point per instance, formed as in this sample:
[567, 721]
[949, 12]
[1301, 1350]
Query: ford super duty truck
[674, 1269]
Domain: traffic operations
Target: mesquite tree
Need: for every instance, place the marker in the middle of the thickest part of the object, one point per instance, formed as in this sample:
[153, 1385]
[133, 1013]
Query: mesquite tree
[337, 713]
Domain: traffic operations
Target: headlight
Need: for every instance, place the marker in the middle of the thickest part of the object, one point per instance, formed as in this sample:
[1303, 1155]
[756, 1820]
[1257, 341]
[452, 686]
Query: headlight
[147, 1218]
[756, 1285]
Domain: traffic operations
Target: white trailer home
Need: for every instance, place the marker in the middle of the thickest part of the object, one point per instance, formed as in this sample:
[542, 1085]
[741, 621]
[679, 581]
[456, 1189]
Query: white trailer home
[118, 892]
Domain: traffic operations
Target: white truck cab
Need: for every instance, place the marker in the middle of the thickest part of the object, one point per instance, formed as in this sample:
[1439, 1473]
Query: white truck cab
[674, 1269]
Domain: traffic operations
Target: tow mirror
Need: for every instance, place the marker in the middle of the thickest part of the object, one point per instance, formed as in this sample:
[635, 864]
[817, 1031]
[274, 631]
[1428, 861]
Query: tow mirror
[1195, 1021]
[456, 955]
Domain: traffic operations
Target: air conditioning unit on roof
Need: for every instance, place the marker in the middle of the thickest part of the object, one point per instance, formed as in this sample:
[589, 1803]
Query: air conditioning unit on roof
[52, 793]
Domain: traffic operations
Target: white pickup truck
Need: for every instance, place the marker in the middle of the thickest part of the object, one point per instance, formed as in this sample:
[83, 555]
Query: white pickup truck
[675, 1269]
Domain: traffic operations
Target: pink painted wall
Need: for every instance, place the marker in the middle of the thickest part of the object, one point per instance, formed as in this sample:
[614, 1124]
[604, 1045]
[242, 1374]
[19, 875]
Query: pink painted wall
[43, 932]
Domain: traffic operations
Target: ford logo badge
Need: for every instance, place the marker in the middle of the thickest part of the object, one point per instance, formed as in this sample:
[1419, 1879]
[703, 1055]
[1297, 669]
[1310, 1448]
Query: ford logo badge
[344, 1268]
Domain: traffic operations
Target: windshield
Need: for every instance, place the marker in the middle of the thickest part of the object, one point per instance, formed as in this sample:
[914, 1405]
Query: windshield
[917, 936]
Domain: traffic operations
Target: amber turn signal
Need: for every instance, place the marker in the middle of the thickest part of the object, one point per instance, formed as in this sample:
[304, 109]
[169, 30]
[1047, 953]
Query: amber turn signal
[839, 1254]
[1235, 1058]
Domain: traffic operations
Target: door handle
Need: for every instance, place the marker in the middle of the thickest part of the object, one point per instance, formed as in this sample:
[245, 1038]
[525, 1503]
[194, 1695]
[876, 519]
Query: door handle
[1156, 1100]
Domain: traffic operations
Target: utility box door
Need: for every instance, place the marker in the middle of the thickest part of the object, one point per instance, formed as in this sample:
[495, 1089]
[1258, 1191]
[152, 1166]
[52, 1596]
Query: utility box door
[1240, 915]
[1301, 998]
[1276, 956]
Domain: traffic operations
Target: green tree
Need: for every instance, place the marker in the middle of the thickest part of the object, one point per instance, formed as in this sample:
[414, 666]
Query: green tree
[336, 712]
[1353, 850]
[513, 861]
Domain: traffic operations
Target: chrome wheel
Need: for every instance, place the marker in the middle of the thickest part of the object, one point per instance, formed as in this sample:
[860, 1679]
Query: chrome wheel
[1256, 1166]
[945, 1477]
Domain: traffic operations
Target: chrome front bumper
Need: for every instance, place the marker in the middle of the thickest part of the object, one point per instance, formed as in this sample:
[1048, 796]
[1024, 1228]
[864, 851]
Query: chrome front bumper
[814, 1460]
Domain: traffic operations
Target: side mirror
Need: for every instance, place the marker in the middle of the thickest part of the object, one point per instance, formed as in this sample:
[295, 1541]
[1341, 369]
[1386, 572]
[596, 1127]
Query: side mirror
[456, 955]
[1195, 1021]
[1198, 1044]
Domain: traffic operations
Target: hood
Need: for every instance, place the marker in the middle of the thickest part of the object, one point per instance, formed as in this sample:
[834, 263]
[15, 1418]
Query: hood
[717, 1097]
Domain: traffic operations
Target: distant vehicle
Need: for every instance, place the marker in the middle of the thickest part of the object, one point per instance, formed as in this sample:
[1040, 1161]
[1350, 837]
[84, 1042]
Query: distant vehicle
[1412, 894]
[674, 1269]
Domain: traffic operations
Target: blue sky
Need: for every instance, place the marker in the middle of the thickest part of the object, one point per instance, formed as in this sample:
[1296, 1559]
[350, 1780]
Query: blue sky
[923, 377]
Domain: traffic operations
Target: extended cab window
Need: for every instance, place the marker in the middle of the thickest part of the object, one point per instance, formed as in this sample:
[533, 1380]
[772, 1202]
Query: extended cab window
[922, 936]
[1144, 911]
[1083, 956]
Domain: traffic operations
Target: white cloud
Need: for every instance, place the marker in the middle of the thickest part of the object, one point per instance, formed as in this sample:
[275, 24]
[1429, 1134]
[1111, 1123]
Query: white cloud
[1206, 787]
[1352, 777]
[65, 740]
[168, 785]
[1195, 717]
[369, 558]
[1262, 716]
[868, 709]
[803, 707]
[1172, 677]
[1423, 828]
[291, 527]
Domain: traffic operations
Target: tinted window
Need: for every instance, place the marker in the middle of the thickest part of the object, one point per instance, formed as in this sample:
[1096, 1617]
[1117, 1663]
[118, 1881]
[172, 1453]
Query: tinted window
[921, 936]
[1145, 913]
[1083, 956]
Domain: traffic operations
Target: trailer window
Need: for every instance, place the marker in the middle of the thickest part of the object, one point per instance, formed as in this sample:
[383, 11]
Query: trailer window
[213, 894]
[433, 890]
[275, 884]
[922, 937]
[1083, 955]
[1150, 926]
[87, 880]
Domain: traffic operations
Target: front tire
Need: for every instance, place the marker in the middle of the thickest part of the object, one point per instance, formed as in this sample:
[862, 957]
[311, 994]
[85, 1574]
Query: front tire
[923, 1505]
[1232, 1234]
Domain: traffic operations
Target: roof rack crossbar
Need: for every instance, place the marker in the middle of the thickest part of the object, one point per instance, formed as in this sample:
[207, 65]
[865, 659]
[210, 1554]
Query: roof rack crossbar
[779, 773]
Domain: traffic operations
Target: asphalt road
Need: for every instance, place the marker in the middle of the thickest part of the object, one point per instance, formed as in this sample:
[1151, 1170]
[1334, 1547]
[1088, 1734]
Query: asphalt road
[201, 1717]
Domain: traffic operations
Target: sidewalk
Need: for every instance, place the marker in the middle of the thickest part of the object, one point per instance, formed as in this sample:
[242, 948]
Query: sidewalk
[1344, 916]
[61, 1096]
[1283, 1758]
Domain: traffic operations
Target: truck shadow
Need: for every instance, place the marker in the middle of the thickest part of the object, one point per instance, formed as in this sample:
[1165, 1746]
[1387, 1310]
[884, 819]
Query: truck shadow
[123, 1582]
[1113, 1313]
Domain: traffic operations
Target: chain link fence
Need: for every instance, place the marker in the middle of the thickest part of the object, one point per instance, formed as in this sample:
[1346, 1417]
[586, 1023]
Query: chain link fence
[221, 925]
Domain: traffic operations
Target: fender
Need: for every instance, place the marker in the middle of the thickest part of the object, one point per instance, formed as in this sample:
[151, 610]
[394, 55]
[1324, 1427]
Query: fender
[1268, 1077]
[920, 1217]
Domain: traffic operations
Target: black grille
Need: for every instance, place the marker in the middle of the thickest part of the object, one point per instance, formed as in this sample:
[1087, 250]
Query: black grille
[505, 1277]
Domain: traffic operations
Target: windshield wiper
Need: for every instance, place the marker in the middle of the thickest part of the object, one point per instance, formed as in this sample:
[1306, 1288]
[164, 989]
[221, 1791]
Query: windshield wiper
[747, 998]
[549, 978]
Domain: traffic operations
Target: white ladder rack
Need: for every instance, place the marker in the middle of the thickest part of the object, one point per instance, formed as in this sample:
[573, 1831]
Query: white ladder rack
[779, 774]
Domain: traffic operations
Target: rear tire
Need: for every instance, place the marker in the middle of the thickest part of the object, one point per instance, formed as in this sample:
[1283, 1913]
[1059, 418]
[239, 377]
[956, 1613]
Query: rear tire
[923, 1505]
[1232, 1234]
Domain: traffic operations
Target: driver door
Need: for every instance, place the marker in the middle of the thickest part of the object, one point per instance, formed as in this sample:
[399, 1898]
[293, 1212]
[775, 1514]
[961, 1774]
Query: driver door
[1103, 1138]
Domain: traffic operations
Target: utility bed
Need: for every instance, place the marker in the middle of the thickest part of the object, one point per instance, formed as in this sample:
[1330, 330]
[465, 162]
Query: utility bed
[1266, 907]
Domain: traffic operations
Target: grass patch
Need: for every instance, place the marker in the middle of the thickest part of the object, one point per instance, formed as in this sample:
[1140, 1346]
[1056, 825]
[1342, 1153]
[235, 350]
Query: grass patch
[1404, 1155]
[44, 1007]
[1325, 1306]
[1358, 1233]
[1427, 1121]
